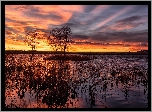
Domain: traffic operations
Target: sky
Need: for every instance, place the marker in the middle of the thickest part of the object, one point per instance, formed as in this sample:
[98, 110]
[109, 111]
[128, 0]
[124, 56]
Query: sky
[95, 28]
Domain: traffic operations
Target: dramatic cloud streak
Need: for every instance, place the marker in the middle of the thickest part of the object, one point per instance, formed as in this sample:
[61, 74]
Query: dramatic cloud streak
[113, 16]
[126, 24]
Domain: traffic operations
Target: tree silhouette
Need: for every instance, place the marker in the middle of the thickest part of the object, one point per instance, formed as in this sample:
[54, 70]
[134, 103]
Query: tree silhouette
[60, 39]
[31, 37]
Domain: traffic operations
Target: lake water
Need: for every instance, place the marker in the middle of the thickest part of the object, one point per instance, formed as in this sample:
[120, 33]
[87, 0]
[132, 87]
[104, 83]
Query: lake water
[106, 81]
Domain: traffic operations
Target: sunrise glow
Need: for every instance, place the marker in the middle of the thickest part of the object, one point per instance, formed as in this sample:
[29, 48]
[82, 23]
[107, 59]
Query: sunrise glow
[96, 28]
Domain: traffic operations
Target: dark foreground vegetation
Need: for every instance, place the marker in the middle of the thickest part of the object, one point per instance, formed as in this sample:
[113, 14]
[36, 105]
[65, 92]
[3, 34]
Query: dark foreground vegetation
[69, 57]
[105, 81]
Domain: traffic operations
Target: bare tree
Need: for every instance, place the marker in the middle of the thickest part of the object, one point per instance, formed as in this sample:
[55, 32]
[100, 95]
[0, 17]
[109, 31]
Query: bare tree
[31, 37]
[60, 39]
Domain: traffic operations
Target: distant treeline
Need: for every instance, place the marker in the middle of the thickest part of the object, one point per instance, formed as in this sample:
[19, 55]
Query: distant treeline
[83, 53]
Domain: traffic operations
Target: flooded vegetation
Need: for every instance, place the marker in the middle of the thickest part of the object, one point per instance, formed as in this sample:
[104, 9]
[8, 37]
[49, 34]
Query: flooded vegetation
[103, 81]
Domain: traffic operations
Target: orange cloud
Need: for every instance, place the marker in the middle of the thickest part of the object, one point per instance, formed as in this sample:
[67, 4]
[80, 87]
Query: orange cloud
[16, 26]
[19, 15]
[64, 11]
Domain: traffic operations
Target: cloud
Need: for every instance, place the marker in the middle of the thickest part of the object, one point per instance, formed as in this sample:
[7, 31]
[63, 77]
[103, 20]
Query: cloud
[80, 21]
[8, 32]
[124, 10]
[72, 8]
[52, 16]
[136, 37]
[126, 44]
[37, 15]
[82, 37]
[126, 24]
[140, 36]
[132, 19]
[143, 44]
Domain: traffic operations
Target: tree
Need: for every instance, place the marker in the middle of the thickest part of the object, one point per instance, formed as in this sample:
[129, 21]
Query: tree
[60, 39]
[31, 37]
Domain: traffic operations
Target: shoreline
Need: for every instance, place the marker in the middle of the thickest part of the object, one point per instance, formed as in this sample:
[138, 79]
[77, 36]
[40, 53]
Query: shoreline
[82, 53]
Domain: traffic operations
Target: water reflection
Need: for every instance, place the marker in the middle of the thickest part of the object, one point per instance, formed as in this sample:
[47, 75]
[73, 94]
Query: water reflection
[102, 82]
